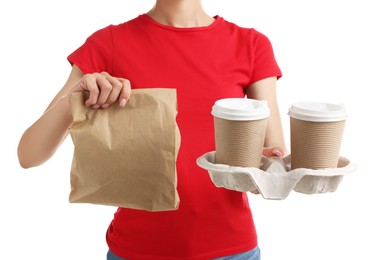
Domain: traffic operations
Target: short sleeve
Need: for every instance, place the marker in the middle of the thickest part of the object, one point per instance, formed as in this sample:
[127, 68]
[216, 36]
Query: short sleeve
[96, 54]
[263, 60]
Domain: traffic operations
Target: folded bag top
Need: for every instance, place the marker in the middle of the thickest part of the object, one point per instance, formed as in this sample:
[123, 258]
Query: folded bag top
[126, 156]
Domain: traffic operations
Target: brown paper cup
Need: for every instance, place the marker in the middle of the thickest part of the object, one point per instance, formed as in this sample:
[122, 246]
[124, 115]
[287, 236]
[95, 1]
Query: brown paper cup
[315, 145]
[239, 143]
[240, 127]
[316, 134]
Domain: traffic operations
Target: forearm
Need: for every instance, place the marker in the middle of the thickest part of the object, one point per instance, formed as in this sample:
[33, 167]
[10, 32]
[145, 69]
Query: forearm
[40, 141]
[266, 90]
[274, 134]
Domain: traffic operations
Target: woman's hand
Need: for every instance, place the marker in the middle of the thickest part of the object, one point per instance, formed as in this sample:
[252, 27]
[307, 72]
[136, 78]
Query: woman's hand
[104, 90]
[273, 152]
[40, 141]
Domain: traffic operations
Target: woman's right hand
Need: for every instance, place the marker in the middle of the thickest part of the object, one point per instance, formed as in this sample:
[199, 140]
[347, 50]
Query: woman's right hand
[40, 141]
[104, 90]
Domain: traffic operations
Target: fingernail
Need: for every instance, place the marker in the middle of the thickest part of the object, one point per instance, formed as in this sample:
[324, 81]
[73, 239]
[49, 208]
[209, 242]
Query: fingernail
[95, 106]
[105, 106]
[123, 102]
[277, 153]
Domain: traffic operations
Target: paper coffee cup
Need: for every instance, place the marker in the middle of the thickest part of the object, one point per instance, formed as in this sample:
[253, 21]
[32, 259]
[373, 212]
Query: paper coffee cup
[240, 128]
[316, 131]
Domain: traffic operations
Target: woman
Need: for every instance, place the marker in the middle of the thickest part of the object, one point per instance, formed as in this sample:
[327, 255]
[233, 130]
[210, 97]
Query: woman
[175, 45]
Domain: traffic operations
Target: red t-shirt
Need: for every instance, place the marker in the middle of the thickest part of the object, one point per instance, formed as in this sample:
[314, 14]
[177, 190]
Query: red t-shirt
[203, 64]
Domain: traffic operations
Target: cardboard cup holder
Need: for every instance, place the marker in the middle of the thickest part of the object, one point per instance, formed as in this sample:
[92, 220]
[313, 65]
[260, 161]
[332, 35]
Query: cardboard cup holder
[275, 179]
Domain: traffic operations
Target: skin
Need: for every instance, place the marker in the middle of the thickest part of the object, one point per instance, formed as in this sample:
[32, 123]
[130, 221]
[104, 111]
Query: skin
[274, 143]
[40, 141]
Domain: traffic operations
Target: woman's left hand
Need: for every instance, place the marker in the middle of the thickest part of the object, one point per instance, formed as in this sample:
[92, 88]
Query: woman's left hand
[271, 152]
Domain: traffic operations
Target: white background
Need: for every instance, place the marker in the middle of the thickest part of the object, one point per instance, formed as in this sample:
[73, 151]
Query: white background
[326, 52]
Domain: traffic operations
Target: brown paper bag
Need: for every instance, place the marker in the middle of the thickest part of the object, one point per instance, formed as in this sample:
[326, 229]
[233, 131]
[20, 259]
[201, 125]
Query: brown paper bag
[126, 156]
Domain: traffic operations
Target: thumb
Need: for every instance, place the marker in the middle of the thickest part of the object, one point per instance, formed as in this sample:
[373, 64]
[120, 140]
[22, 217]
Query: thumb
[273, 152]
[125, 92]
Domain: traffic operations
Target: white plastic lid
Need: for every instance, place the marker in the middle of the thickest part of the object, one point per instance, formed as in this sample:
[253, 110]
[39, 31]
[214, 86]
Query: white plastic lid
[318, 112]
[240, 109]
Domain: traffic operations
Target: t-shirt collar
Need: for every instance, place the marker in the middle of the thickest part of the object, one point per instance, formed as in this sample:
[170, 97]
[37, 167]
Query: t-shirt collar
[148, 19]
